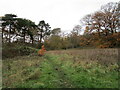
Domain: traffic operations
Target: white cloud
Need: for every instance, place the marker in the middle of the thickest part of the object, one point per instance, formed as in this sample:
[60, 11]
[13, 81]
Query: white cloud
[58, 13]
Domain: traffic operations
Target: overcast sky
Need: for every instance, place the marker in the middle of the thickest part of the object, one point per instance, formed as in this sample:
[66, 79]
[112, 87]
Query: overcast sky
[64, 14]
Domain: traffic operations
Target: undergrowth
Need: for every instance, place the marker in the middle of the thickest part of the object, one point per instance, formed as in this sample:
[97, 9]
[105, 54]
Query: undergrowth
[58, 71]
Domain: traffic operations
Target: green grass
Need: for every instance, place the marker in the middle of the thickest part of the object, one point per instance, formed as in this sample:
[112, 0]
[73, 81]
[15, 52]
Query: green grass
[57, 71]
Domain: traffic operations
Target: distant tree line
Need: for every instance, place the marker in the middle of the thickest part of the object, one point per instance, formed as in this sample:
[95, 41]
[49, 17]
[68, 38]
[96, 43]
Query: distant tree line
[100, 29]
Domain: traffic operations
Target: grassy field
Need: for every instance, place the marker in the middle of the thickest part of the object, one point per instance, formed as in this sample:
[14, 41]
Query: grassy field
[86, 68]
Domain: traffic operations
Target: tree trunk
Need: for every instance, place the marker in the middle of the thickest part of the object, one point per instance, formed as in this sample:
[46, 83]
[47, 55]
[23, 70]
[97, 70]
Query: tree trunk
[98, 32]
[9, 34]
[32, 41]
[41, 37]
[38, 37]
[24, 37]
[2, 33]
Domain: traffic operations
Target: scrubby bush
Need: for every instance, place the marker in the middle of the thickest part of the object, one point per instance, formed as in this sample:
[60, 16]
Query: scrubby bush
[13, 50]
[41, 51]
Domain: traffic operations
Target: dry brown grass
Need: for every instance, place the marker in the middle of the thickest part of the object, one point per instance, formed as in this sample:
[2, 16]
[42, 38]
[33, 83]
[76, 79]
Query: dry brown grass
[20, 69]
[104, 56]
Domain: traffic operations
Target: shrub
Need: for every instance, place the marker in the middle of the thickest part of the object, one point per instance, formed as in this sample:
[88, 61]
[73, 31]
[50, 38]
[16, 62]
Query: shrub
[41, 51]
[11, 51]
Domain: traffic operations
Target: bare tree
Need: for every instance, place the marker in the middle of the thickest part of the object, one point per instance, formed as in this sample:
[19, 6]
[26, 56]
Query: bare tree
[111, 17]
[77, 29]
[105, 21]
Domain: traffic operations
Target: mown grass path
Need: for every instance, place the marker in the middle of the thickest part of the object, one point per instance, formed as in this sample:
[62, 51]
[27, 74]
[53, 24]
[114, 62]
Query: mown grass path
[65, 82]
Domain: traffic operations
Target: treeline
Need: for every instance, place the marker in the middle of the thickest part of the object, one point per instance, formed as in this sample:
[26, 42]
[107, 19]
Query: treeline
[16, 29]
[101, 29]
